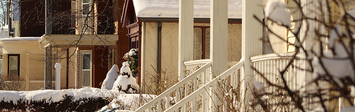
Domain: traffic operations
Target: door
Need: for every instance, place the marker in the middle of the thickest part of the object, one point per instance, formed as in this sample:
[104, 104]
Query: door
[86, 68]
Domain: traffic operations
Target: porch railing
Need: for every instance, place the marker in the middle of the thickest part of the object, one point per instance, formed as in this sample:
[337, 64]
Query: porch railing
[205, 92]
[270, 66]
[178, 91]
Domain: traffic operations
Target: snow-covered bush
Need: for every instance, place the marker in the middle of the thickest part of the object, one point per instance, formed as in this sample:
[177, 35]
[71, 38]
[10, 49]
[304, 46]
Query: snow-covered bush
[132, 58]
[125, 81]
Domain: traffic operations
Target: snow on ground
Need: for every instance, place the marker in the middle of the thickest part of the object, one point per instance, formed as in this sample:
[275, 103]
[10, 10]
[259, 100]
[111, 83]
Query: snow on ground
[278, 11]
[57, 95]
[127, 102]
[121, 102]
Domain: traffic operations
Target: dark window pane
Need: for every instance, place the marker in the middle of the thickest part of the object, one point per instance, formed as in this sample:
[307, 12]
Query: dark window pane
[207, 43]
[86, 61]
[197, 46]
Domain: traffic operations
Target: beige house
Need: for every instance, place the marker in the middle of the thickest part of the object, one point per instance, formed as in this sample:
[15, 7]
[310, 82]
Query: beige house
[195, 92]
[22, 57]
[154, 30]
[88, 45]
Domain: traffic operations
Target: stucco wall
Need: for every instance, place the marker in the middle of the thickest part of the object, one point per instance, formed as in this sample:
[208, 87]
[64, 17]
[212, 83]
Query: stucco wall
[169, 51]
[149, 55]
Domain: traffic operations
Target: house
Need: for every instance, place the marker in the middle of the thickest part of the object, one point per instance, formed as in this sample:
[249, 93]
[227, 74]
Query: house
[88, 43]
[82, 35]
[199, 90]
[22, 59]
[153, 29]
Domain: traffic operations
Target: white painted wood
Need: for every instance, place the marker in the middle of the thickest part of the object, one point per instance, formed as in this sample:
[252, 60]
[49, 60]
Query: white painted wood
[196, 62]
[202, 90]
[185, 34]
[175, 87]
[57, 67]
[218, 42]
[251, 45]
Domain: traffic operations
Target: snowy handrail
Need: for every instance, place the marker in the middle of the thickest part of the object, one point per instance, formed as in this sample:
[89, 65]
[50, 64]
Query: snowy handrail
[175, 87]
[202, 89]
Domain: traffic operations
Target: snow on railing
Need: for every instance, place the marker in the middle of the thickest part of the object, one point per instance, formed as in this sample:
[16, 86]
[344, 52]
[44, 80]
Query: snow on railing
[183, 88]
[193, 97]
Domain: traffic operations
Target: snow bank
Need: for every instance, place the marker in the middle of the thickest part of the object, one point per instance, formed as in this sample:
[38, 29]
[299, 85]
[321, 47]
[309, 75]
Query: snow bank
[8, 96]
[48, 95]
[56, 95]
[110, 78]
[278, 11]
[126, 102]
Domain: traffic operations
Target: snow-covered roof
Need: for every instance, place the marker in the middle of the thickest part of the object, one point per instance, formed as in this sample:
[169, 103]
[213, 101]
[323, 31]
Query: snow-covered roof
[21, 39]
[170, 8]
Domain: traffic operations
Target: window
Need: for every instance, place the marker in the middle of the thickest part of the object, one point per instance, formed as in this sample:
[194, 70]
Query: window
[86, 7]
[201, 43]
[86, 19]
[14, 64]
[86, 66]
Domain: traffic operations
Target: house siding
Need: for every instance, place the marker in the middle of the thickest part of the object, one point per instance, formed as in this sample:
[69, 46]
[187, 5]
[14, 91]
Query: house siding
[169, 53]
[148, 55]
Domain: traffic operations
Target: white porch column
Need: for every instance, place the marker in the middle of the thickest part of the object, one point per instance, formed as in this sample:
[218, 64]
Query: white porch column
[186, 22]
[219, 42]
[251, 44]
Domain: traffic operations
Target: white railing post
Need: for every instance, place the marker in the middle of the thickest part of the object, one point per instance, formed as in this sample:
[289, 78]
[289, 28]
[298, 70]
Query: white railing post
[57, 67]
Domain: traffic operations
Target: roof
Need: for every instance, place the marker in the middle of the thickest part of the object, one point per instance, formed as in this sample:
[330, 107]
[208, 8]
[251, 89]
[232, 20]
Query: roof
[170, 8]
